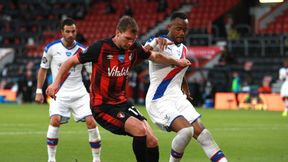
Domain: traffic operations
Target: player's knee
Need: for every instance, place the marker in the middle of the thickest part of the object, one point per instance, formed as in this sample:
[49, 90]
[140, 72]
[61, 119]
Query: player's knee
[152, 141]
[187, 132]
[184, 135]
[90, 122]
[141, 130]
[198, 129]
[55, 121]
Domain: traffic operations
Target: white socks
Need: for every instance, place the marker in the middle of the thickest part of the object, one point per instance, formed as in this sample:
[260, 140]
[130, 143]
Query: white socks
[210, 147]
[95, 143]
[52, 141]
[286, 105]
[180, 142]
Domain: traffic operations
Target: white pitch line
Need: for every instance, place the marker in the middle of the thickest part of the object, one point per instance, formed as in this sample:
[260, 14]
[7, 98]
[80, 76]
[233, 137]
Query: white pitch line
[156, 130]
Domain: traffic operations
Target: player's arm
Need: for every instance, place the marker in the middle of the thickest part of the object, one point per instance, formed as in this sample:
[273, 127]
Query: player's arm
[162, 59]
[185, 89]
[42, 73]
[161, 42]
[63, 71]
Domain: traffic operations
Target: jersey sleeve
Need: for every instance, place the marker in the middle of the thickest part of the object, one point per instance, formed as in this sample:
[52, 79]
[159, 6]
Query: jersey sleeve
[152, 43]
[46, 58]
[90, 54]
[142, 53]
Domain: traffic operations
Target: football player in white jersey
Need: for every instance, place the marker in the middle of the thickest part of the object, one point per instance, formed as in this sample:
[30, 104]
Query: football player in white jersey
[283, 75]
[72, 96]
[166, 101]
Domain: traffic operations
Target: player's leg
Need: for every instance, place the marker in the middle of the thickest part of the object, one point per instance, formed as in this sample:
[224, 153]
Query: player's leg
[152, 151]
[284, 95]
[144, 139]
[181, 140]
[208, 144]
[138, 131]
[56, 110]
[94, 138]
[285, 99]
[81, 111]
[52, 137]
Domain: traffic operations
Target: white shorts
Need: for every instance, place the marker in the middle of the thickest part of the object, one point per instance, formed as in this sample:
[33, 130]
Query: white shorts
[164, 111]
[284, 89]
[64, 106]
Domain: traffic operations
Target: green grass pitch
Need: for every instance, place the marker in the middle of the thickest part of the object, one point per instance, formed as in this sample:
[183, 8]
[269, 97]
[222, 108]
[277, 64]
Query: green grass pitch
[244, 136]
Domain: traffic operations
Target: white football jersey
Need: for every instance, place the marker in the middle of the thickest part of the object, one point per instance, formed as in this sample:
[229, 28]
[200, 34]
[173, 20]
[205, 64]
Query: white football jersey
[283, 74]
[54, 55]
[166, 80]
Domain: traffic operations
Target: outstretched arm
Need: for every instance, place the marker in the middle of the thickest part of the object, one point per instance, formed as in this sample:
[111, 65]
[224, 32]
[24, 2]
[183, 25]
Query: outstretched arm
[62, 73]
[161, 42]
[162, 59]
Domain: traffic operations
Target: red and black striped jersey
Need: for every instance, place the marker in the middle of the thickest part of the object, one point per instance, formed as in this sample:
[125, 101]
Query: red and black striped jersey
[111, 66]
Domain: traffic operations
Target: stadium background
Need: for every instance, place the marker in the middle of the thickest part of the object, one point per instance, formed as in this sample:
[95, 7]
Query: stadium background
[225, 35]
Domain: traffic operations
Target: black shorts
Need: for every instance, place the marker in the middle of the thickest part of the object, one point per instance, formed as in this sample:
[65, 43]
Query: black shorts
[113, 117]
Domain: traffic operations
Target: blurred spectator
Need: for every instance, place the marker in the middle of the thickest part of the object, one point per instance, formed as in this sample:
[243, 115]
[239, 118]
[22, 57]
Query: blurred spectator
[143, 84]
[266, 87]
[236, 82]
[195, 91]
[245, 87]
[231, 33]
[4, 72]
[81, 39]
[236, 85]
[253, 101]
[81, 11]
[29, 65]
[109, 8]
[132, 87]
[30, 41]
[162, 5]
[64, 17]
[246, 75]
[27, 87]
[128, 11]
[146, 80]
[207, 92]
[227, 57]
[3, 83]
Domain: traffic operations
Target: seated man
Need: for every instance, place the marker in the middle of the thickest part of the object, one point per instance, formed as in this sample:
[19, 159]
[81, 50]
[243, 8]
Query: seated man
[253, 101]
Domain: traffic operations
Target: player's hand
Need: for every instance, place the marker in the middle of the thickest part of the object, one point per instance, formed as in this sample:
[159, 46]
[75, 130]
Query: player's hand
[183, 63]
[52, 90]
[39, 98]
[163, 43]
